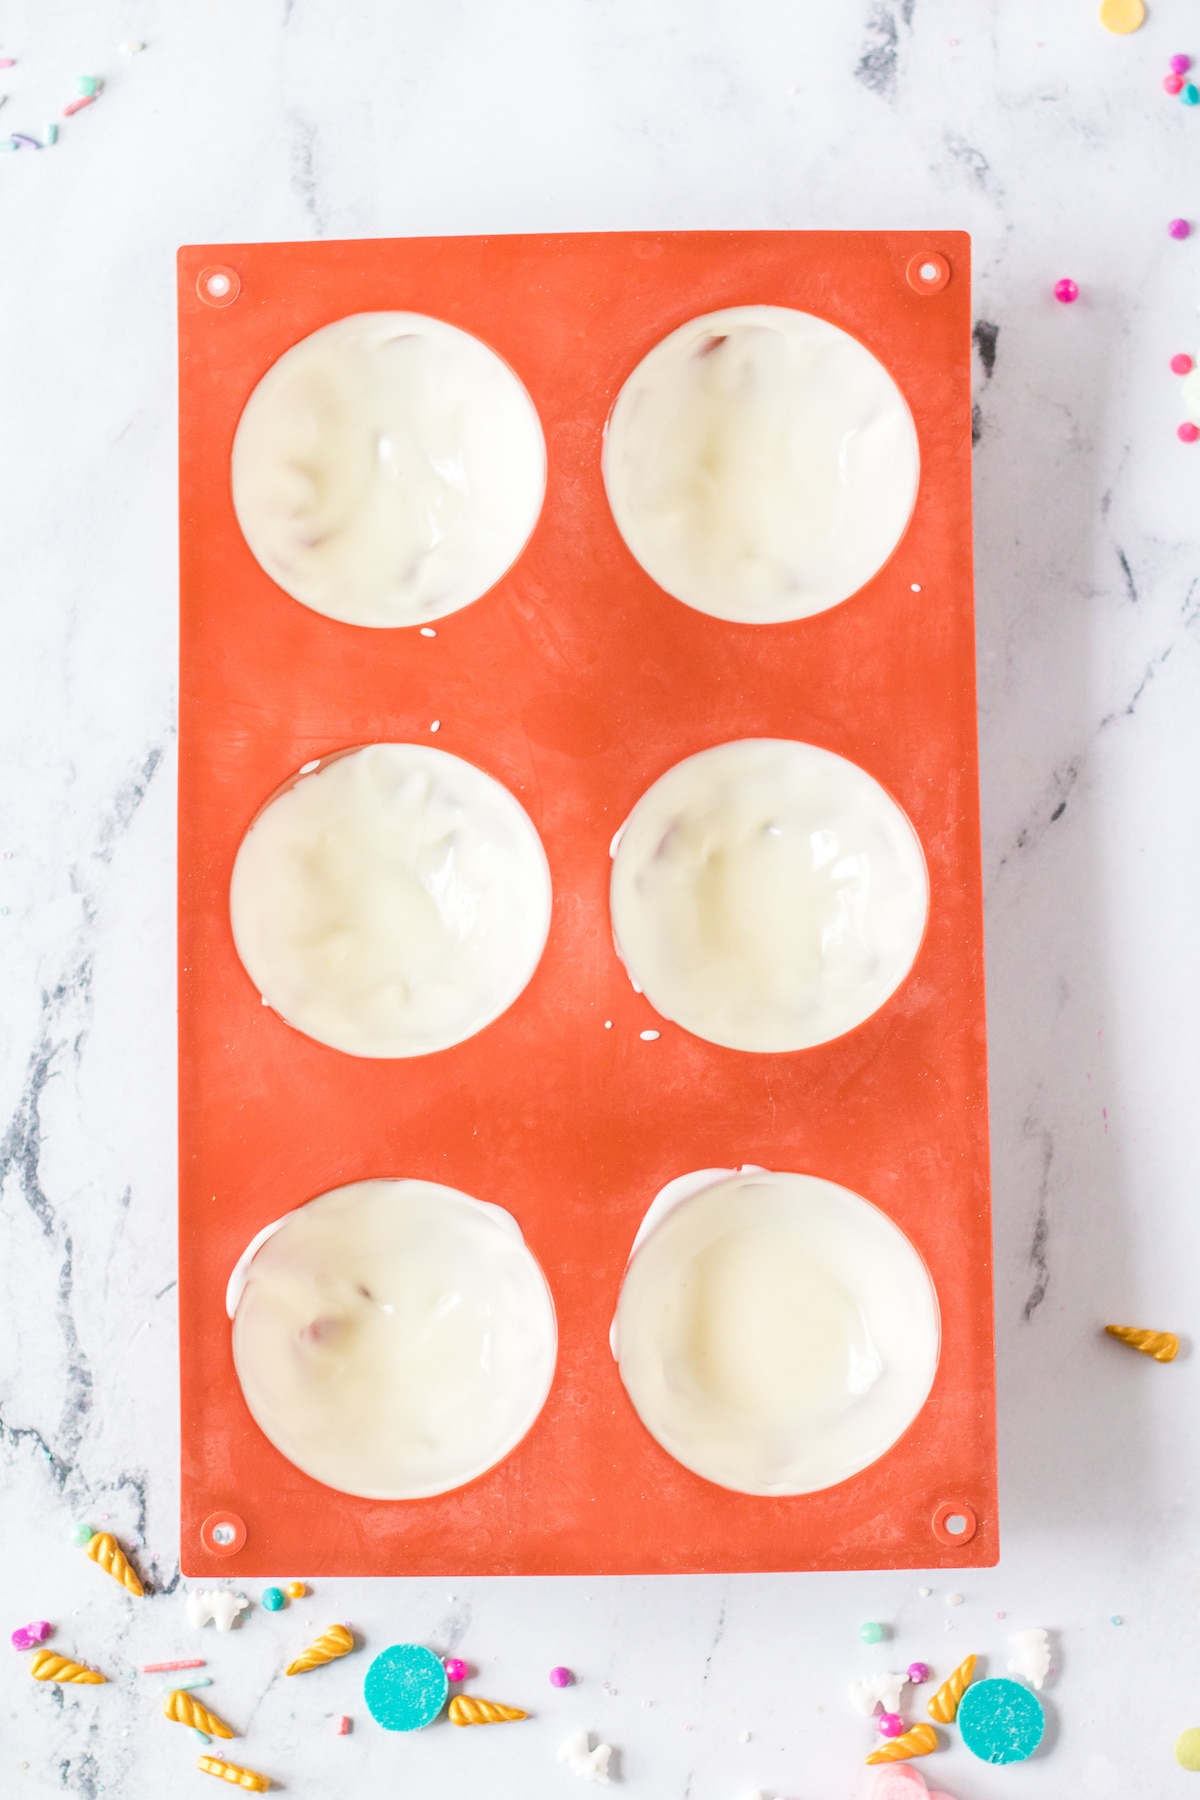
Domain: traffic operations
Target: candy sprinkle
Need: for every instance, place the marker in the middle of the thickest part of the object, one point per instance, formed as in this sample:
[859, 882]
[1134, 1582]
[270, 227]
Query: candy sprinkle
[1182, 364]
[1188, 433]
[1172, 83]
[188, 1662]
[87, 86]
[1122, 16]
[78, 105]
[1066, 291]
[21, 137]
[561, 1677]
[872, 1632]
[1179, 65]
[343, 1725]
[1179, 228]
[1190, 94]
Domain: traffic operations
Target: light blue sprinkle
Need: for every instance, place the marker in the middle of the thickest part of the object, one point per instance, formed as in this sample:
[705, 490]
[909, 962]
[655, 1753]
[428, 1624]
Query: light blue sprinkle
[1116, 1619]
[1190, 95]
[51, 135]
[171, 1687]
[203, 1736]
[86, 86]
[7, 144]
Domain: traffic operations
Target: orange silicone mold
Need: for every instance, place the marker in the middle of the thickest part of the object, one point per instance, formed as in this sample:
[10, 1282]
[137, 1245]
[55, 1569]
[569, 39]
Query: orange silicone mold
[577, 682]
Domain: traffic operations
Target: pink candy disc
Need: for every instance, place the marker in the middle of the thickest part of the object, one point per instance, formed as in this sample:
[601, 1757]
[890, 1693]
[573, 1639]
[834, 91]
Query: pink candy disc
[26, 1636]
[1182, 364]
[456, 1670]
[1188, 433]
[891, 1724]
[1179, 228]
[561, 1677]
[900, 1781]
[1173, 84]
[1179, 65]
[1066, 290]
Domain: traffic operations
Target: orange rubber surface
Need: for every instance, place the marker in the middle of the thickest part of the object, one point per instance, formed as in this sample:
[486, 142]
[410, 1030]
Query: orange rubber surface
[577, 682]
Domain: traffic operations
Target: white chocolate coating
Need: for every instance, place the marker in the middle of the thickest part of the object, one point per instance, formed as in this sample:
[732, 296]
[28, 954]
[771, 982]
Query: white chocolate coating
[394, 1339]
[776, 1333]
[767, 895]
[761, 464]
[392, 903]
[388, 469]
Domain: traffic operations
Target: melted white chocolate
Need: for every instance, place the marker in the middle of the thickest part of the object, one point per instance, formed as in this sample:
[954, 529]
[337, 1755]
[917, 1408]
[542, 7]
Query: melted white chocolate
[775, 1332]
[392, 903]
[761, 464]
[393, 1339]
[388, 469]
[767, 895]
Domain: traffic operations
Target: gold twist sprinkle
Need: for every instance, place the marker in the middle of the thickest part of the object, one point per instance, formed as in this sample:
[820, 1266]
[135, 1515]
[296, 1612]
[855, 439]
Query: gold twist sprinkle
[919, 1741]
[243, 1778]
[337, 1641]
[944, 1705]
[465, 1709]
[46, 1666]
[105, 1550]
[1163, 1346]
[184, 1710]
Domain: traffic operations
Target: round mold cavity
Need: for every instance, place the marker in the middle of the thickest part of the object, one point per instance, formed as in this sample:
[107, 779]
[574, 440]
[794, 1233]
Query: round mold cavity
[775, 1332]
[388, 469]
[768, 895]
[393, 1339]
[392, 901]
[761, 464]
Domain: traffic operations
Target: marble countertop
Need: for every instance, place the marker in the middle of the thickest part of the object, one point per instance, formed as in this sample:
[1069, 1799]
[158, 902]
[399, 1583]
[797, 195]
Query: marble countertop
[1052, 142]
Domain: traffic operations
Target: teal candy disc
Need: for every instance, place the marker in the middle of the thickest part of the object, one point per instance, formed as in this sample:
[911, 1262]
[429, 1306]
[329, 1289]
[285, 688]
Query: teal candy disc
[274, 1599]
[1001, 1721]
[405, 1687]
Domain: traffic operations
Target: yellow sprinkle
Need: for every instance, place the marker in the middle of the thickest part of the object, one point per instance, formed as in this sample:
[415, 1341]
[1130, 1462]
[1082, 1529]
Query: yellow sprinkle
[243, 1778]
[46, 1666]
[1122, 16]
[104, 1549]
[465, 1709]
[337, 1641]
[944, 1705]
[184, 1710]
[295, 1590]
[1163, 1346]
[917, 1742]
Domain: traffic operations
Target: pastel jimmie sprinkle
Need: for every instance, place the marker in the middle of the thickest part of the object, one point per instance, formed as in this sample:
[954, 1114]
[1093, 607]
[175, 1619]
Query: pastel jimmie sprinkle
[22, 137]
[78, 105]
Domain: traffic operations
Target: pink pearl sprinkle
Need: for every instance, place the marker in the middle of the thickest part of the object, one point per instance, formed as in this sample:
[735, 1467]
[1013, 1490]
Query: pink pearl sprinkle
[561, 1677]
[918, 1672]
[1173, 84]
[1182, 364]
[891, 1724]
[1179, 228]
[1179, 65]
[1188, 433]
[456, 1669]
[1066, 290]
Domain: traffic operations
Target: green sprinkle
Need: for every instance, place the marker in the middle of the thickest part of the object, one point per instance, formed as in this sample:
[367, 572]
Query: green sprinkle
[86, 86]
[51, 135]
[872, 1633]
[82, 1534]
